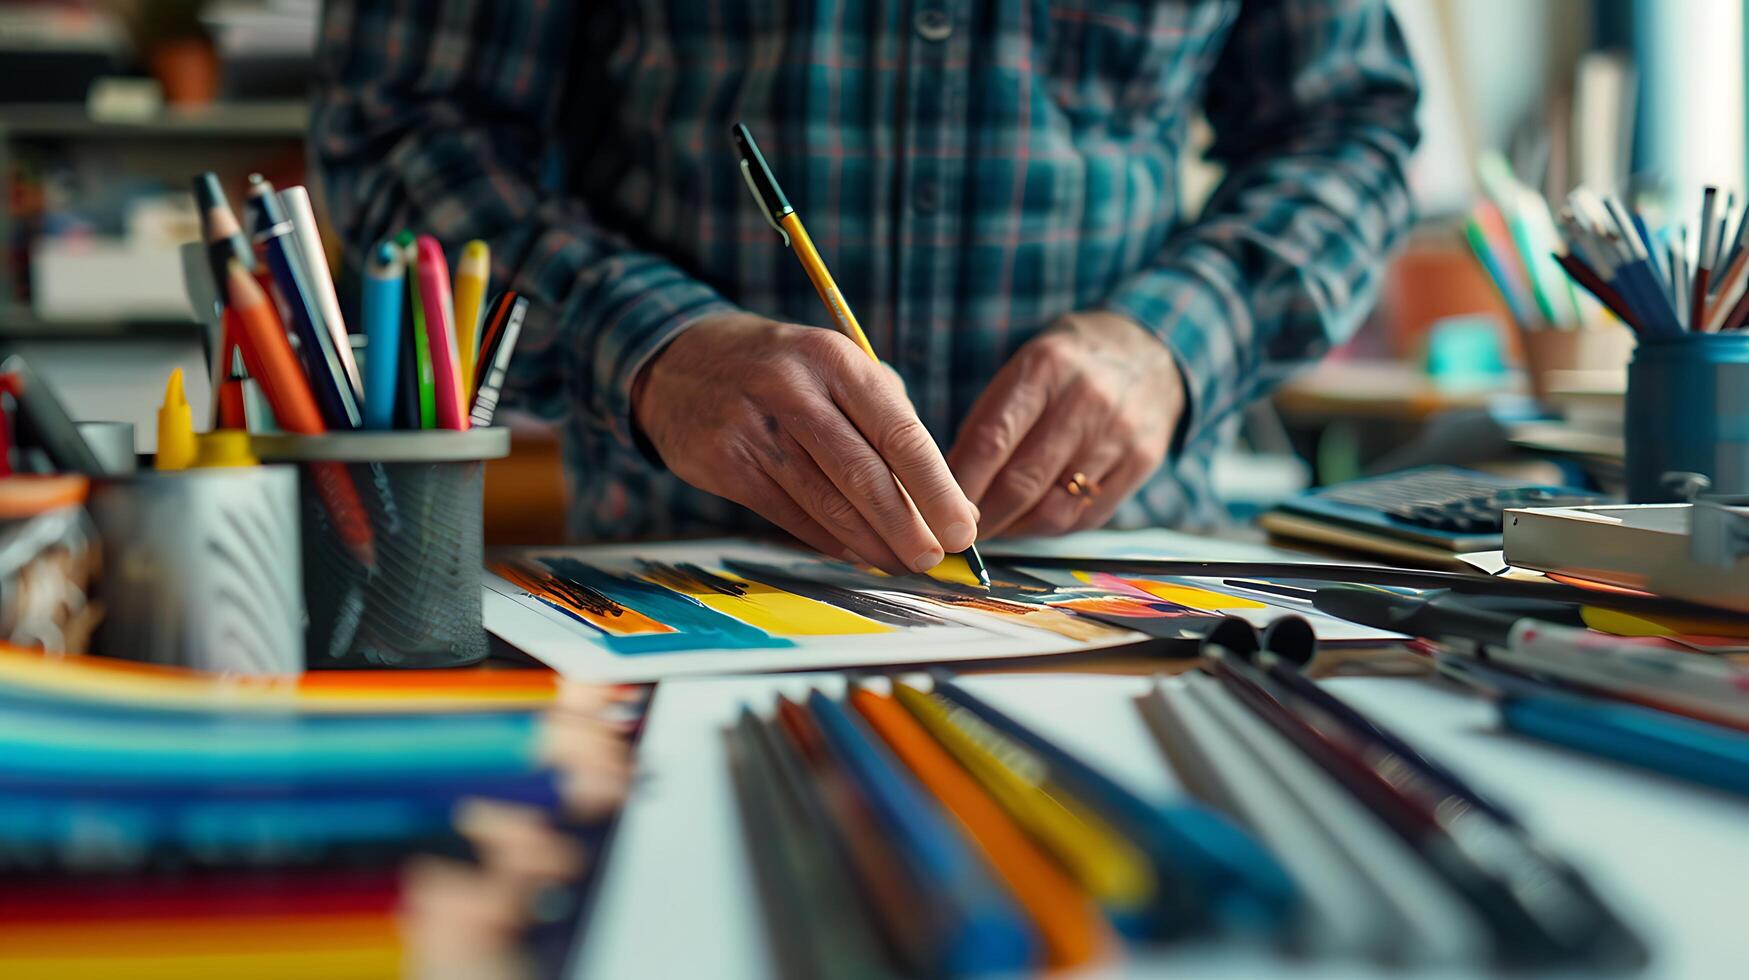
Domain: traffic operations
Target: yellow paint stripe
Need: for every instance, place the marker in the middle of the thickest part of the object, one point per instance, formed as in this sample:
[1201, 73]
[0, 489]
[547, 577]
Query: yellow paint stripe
[1195, 598]
[778, 612]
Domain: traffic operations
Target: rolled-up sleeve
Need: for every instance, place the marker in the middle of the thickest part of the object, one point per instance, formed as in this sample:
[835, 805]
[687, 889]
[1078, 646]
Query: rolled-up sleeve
[1313, 107]
[437, 117]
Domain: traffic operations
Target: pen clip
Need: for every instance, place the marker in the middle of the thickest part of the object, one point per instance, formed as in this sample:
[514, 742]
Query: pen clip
[765, 209]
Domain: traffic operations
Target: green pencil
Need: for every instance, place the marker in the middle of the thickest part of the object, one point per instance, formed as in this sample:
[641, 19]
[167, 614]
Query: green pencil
[421, 346]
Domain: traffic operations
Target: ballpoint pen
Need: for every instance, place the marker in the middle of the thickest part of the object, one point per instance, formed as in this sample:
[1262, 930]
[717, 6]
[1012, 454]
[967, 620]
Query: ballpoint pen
[274, 235]
[786, 222]
[296, 202]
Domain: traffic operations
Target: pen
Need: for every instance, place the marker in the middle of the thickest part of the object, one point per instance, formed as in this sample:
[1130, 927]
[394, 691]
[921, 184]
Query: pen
[1655, 740]
[423, 389]
[328, 381]
[437, 304]
[1526, 903]
[471, 274]
[1342, 909]
[271, 362]
[494, 363]
[788, 223]
[1425, 920]
[1573, 918]
[384, 285]
[296, 201]
[1524, 636]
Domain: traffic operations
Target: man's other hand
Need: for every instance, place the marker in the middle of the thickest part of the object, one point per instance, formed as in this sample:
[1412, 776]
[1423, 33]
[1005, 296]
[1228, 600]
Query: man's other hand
[798, 424]
[1072, 424]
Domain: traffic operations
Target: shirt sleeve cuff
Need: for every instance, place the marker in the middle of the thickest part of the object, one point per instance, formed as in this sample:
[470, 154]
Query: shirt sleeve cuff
[1191, 317]
[635, 333]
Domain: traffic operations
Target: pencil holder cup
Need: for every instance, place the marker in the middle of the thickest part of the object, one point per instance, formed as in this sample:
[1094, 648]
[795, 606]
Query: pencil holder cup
[1688, 417]
[1602, 351]
[391, 543]
[200, 569]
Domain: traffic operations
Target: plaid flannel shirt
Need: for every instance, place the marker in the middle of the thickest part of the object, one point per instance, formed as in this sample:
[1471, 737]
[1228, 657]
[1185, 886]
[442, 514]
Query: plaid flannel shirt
[970, 171]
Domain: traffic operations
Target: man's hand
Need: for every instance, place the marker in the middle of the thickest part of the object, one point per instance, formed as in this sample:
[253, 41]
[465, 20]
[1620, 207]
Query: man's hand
[1094, 395]
[800, 425]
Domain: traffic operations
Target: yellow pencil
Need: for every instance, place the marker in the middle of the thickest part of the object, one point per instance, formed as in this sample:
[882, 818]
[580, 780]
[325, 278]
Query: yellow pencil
[1112, 870]
[471, 275]
[788, 223]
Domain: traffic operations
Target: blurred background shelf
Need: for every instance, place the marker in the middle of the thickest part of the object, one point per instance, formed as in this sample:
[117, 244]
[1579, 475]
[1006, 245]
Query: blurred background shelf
[282, 119]
[25, 326]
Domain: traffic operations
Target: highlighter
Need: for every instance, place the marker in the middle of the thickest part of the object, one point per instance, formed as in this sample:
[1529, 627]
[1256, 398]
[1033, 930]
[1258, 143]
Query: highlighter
[422, 386]
[384, 285]
[434, 298]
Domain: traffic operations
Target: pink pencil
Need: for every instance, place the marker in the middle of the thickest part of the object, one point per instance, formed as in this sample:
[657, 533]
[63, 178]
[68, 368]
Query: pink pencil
[434, 296]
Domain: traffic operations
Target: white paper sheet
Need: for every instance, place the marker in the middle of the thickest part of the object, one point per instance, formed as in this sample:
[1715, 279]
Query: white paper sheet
[578, 650]
[677, 897]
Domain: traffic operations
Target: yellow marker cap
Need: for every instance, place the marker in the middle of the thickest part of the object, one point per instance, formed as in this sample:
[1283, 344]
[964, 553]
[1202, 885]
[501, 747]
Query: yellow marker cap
[226, 447]
[176, 448]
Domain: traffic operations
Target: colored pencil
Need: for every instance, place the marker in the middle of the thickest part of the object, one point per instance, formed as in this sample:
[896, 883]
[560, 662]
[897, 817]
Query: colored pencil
[1064, 915]
[899, 906]
[1208, 868]
[990, 933]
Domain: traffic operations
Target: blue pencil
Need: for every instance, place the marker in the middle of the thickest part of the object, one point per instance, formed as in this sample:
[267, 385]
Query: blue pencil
[1677, 746]
[992, 935]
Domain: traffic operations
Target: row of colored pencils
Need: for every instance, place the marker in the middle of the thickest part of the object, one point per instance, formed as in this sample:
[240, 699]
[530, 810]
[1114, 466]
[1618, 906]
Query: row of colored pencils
[1681, 278]
[925, 833]
[1512, 233]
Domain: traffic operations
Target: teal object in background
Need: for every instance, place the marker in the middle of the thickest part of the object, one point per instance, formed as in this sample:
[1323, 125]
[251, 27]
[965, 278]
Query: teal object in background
[1688, 412]
[1464, 353]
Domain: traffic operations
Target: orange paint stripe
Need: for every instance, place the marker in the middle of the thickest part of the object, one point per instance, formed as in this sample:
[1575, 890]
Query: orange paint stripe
[628, 622]
[1074, 932]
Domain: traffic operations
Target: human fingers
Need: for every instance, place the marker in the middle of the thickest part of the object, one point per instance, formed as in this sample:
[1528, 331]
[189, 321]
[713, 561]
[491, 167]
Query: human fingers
[1116, 487]
[1077, 489]
[997, 424]
[870, 396]
[1036, 466]
[819, 503]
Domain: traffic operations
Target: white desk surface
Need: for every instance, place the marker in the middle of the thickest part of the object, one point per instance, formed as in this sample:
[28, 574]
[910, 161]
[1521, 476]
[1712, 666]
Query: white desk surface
[677, 897]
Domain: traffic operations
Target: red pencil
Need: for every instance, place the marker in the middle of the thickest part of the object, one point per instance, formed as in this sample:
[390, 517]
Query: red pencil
[271, 362]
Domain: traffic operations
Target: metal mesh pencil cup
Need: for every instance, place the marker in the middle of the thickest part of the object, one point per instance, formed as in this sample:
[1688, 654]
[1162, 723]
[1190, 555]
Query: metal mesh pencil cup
[1688, 413]
[391, 543]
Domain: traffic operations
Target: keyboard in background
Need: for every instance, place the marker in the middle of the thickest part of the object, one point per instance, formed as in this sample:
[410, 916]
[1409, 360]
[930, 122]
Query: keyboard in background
[1425, 515]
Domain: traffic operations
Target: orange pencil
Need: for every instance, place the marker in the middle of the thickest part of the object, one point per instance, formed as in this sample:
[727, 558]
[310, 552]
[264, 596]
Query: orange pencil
[1073, 929]
[268, 355]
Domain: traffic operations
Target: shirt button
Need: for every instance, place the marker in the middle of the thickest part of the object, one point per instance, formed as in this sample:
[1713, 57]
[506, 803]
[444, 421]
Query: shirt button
[934, 25]
[927, 197]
